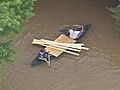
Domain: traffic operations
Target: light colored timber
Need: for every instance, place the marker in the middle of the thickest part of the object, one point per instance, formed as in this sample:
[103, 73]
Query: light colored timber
[85, 48]
[77, 50]
[63, 39]
[68, 48]
[57, 43]
[63, 44]
[63, 50]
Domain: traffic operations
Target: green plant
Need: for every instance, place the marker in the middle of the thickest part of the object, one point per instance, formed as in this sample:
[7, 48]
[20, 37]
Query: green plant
[116, 16]
[13, 15]
[6, 53]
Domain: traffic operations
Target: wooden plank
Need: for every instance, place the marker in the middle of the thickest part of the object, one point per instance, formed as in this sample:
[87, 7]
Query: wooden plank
[76, 46]
[45, 43]
[57, 48]
[67, 46]
[59, 43]
[61, 38]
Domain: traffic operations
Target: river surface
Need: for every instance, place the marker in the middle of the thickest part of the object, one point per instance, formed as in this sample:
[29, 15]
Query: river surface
[96, 69]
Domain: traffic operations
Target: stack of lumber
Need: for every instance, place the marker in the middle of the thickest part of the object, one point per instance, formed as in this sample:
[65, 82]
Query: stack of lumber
[71, 48]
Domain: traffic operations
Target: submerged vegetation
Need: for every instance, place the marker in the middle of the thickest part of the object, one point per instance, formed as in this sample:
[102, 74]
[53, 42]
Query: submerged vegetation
[13, 15]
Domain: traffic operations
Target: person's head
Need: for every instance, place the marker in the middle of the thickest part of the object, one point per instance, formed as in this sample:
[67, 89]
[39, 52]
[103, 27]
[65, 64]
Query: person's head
[41, 50]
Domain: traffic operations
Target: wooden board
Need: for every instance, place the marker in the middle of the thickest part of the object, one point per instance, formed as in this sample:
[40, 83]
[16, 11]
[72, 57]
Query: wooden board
[61, 38]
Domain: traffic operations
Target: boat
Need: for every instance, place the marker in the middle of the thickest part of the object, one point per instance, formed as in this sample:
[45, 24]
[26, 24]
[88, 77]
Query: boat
[62, 38]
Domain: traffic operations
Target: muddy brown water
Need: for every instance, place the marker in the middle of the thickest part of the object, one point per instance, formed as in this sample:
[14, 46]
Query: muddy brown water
[96, 69]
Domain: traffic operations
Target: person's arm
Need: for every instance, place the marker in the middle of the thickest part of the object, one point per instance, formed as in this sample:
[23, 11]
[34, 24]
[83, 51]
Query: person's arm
[48, 62]
[82, 30]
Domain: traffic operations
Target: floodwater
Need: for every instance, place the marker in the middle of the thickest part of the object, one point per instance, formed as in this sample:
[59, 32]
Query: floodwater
[96, 69]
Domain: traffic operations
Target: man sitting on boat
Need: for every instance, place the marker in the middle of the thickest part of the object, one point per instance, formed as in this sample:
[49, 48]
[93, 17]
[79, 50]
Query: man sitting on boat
[76, 34]
[43, 55]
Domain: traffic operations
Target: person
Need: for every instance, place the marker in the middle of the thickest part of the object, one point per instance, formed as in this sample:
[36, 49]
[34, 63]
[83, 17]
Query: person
[76, 34]
[42, 54]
